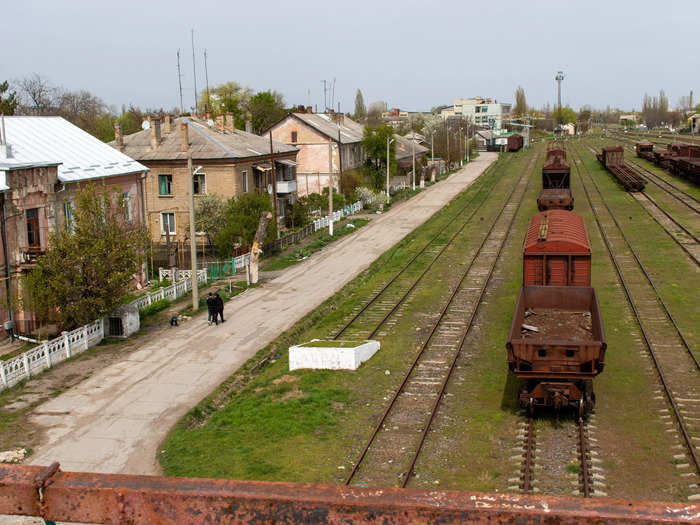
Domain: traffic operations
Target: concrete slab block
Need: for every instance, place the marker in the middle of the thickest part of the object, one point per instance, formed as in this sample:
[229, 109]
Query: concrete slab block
[331, 355]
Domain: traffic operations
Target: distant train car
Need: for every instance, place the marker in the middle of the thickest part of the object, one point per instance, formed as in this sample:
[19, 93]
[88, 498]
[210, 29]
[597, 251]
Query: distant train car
[556, 182]
[557, 251]
[645, 150]
[515, 142]
[612, 158]
[556, 346]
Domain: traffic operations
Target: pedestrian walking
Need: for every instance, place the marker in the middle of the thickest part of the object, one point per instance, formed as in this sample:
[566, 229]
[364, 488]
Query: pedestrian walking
[211, 308]
[219, 306]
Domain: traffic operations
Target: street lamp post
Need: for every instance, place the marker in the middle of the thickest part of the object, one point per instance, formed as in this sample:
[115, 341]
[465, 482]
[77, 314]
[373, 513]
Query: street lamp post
[193, 244]
[388, 142]
[413, 151]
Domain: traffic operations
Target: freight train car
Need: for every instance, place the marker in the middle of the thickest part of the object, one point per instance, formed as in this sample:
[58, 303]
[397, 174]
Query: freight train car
[515, 142]
[684, 161]
[556, 346]
[645, 150]
[556, 182]
[612, 158]
[557, 251]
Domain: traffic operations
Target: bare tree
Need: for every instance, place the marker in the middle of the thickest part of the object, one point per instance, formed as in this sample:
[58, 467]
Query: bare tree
[37, 94]
[520, 108]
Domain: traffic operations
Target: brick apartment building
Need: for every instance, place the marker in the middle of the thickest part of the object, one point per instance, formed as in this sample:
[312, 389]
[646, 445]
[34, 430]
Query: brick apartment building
[233, 162]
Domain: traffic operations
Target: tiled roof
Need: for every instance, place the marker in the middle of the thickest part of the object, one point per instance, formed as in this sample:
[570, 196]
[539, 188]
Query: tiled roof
[205, 143]
[404, 147]
[54, 140]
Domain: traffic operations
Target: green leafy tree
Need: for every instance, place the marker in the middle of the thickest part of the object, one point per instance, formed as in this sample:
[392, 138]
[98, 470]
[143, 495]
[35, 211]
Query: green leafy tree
[360, 109]
[520, 108]
[240, 221]
[8, 99]
[374, 141]
[566, 115]
[229, 97]
[209, 215]
[88, 268]
[266, 108]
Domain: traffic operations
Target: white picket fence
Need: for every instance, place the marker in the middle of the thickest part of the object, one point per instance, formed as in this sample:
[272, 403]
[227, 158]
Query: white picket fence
[352, 209]
[72, 343]
[50, 352]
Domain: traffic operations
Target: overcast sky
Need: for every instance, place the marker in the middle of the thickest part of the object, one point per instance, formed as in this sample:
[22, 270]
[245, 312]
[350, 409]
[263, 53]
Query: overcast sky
[413, 55]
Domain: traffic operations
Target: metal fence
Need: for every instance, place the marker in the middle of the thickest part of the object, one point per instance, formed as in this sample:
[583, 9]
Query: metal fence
[76, 341]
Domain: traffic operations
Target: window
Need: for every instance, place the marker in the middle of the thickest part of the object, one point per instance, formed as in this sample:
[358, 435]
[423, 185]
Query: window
[167, 220]
[68, 214]
[33, 228]
[294, 136]
[244, 181]
[165, 184]
[127, 206]
[200, 184]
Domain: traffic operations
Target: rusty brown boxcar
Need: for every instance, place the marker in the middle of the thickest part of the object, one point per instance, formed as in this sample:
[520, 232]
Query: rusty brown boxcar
[515, 142]
[556, 346]
[556, 182]
[557, 251]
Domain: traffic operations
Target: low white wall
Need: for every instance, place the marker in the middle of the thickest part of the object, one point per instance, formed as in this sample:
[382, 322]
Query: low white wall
[331, 358]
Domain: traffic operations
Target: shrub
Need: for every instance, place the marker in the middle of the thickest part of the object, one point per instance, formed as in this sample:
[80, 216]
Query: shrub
[153, 308]
[369, 197]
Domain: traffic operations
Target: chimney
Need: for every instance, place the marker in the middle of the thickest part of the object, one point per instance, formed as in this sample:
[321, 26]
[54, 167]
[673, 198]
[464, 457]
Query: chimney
[309, 109]
[184, 137]
[230, 122]
[220, 122]
[168, 124]
[248, 126]
[155, 132]
[207, 116]
[118, 137]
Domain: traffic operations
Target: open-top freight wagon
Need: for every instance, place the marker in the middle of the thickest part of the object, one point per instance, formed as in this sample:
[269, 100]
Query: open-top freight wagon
[556, 182]
[556, 346]
[645, 150]
[680, 159]
[612, 159]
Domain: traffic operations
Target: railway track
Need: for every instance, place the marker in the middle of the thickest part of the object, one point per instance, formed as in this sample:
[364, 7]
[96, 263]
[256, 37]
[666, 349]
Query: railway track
[681, 235]
[367, 320]
[672, 357]
[390, 454]
[550, 471]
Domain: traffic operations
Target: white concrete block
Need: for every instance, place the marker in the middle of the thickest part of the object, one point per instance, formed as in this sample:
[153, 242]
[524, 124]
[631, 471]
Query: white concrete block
[331, 355]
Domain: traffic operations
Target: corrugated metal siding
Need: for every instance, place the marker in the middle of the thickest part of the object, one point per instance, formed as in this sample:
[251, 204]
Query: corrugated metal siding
[54, 139]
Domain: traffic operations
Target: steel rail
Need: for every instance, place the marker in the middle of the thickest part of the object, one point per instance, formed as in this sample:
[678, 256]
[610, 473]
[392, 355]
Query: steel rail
[676, 411]
[586, 488]
[420, 352]
[427, 245]
[643, 268]
[460, 347]
[528, 469]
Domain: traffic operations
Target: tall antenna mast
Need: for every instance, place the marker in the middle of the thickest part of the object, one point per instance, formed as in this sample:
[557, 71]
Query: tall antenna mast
[179, 81]
[333, 94]
[194, 73]
[325, 99]
[206, 76]
[559, 78]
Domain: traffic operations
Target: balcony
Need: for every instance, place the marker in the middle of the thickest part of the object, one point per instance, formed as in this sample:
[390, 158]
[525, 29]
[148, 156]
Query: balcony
[286, 186]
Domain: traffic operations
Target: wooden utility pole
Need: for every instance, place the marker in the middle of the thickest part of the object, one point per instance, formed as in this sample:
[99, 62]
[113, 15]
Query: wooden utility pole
[274, 185]
[193, 244]
[256, 250]
[330, 187]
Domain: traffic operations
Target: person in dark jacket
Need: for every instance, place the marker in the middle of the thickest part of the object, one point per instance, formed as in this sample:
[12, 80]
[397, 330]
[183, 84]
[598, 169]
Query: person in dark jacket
[219, 306]
[211, 307]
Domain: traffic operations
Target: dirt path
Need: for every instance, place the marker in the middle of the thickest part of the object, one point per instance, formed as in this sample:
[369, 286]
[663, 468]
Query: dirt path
[115, 420]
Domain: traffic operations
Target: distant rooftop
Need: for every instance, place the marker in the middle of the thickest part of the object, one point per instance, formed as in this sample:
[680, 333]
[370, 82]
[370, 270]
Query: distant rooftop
[350, 131]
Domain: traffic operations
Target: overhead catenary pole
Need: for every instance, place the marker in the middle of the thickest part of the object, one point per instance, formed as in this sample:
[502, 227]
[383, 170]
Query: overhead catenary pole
[179, 81]
[194, 73]
[193, 244]
[274, 185]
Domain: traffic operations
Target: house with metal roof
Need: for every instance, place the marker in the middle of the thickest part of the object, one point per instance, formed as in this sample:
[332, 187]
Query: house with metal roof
[324, 140]
[43, 161]
[233, 162]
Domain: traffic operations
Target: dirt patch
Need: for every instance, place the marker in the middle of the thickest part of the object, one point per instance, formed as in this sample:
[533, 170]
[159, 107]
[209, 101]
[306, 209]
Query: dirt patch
[285, 379]
[555, 324]
[292, 394]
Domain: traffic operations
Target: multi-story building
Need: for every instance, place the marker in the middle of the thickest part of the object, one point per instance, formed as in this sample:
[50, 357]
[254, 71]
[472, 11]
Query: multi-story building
[233, 162]
[323, 140]
[480, 111]
[43, 161]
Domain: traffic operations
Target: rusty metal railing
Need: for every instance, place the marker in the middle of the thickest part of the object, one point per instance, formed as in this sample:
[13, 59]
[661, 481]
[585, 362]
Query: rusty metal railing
[116, 498]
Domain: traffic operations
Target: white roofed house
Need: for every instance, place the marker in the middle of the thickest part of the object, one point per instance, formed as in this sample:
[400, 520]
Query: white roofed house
[43, 161]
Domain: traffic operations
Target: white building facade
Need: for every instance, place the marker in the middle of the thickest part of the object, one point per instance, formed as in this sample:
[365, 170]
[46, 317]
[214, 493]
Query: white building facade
[480, 111]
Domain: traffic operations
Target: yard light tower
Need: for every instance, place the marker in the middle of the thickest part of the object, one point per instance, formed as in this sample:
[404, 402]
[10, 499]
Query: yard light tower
[559, 78]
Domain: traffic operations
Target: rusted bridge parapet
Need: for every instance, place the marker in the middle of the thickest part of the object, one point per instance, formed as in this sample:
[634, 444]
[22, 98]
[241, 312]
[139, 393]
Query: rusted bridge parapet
[116, 498]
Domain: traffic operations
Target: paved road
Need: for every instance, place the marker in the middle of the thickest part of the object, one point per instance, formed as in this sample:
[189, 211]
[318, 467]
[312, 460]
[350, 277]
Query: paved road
[115, 420]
